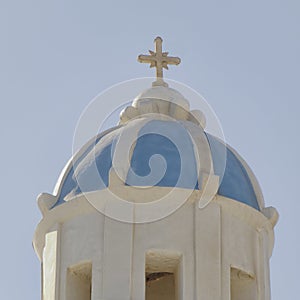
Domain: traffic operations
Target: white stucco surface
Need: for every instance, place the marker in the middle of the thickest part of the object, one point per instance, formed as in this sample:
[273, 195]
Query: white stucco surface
[201, 246]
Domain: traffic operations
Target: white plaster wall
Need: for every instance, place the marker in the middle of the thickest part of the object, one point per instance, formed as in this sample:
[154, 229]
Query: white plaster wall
[174, 234]
[81, 241]
[208, 241]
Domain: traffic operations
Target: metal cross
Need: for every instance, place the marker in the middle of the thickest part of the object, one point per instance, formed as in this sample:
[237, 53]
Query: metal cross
[159, 60]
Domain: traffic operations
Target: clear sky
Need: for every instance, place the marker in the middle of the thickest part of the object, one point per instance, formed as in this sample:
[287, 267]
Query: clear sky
[55, 56]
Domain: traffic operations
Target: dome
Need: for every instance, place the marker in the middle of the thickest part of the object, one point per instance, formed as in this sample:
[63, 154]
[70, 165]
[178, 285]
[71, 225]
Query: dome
[180, 145]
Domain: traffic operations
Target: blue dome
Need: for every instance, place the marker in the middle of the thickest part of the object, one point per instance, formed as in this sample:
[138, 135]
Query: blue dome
[158, 142]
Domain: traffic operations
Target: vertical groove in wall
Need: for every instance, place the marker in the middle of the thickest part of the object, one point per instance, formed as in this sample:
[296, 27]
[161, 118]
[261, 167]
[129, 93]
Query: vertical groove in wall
[194, 248]
[42, 280]
[259, 267]
[132, 253]
[220, 252]
[58, 262]
[102, 260]
[267, 265]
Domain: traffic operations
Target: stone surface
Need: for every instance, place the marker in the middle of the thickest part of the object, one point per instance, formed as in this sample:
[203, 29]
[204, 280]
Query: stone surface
[117, 230]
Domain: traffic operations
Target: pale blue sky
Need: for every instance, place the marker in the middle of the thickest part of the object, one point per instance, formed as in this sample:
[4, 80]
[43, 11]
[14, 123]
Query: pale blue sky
[55, 56]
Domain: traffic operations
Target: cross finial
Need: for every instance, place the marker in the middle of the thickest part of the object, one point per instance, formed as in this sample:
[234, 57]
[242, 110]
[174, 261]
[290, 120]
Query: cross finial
[159, 60]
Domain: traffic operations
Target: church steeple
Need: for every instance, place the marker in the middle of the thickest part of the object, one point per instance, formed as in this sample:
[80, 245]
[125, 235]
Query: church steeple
[131, 218]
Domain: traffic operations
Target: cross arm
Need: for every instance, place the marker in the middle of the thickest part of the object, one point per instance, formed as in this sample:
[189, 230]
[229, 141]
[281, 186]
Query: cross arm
[146, 58]
[172, 60]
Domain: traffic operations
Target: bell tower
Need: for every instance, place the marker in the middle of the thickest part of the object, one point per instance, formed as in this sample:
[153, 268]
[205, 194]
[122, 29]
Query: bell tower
[156, 208]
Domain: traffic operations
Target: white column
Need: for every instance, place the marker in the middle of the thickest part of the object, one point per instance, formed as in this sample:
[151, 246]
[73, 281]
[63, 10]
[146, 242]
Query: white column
[51, 266]
[208, 252]
[117, 260]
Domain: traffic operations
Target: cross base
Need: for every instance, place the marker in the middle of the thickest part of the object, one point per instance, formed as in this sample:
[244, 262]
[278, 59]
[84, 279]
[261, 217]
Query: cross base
[159, 82]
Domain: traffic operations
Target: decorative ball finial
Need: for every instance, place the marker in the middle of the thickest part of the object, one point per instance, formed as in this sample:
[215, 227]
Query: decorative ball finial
[159, 60]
